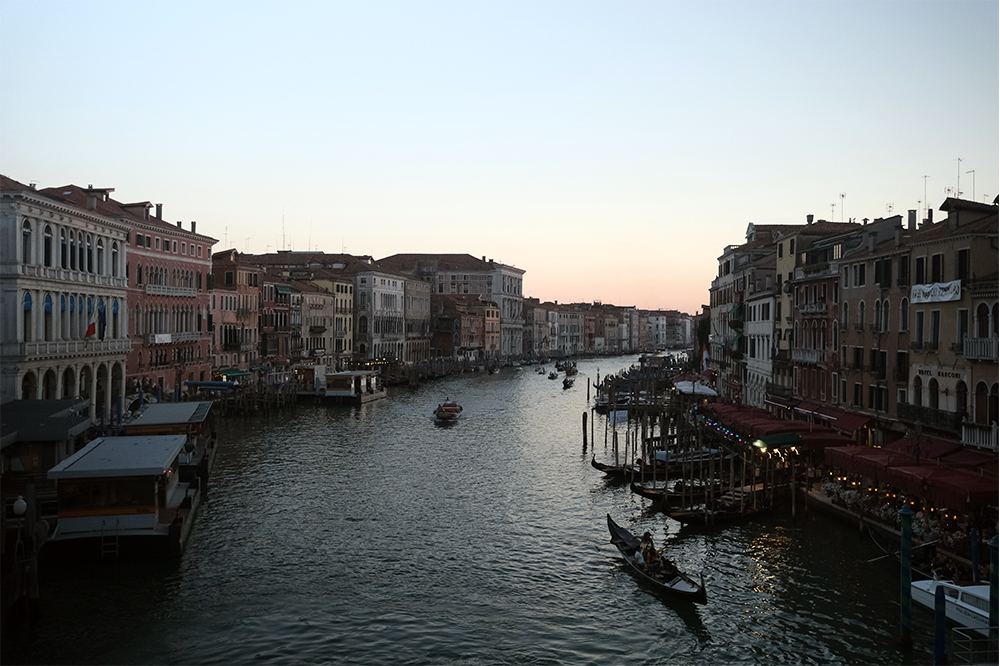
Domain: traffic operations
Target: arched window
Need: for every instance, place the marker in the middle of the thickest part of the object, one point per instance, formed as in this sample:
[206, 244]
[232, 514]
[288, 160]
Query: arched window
[82, 251]
[114, 259]
[904, 315]
[114, 318]
[846, 312]
[885, 316]
[878, 316]
[982, 321]
[26, 327]
[72, 251]
[932, 393]
[138, 273]
[100, 256]
[918, 392]
[90, 254]
[861, 314]
[63, 250]
[26, 242]
[47, 318]
[961, 398]
[982, 404]
[994, 395]
[47, 247]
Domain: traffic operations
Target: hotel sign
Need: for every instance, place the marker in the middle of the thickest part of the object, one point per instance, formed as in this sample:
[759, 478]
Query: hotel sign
[938, 292]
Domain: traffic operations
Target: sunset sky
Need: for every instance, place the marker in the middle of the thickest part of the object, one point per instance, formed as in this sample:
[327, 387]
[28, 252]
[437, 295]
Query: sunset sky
[610, 149]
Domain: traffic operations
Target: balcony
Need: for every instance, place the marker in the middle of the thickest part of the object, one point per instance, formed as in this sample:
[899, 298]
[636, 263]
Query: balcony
[815, 356]
[813, 308]
[68, 348]
[980, 349]
[164, 290]
[934, 418]
[982, 436]
[317, 330]
[777, 390]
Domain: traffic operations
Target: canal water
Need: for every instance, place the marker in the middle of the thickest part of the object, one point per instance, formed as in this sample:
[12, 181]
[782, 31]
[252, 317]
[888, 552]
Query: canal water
[371, 535]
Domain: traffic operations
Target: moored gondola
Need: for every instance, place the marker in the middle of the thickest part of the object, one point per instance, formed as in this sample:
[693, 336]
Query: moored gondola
[663, 575]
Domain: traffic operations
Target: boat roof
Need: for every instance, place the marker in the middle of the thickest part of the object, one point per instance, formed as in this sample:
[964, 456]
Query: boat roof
[169, 413]
[144, 455]
[352, 373]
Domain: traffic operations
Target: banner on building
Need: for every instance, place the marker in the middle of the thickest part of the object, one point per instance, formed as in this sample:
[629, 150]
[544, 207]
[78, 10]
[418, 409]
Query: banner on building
[938, 292]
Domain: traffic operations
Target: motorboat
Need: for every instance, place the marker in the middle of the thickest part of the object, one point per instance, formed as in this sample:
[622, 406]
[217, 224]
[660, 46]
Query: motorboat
[967, 605]
[448, 411]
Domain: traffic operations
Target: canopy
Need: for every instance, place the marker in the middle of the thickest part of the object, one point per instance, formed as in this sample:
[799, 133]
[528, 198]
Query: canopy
[694, 388]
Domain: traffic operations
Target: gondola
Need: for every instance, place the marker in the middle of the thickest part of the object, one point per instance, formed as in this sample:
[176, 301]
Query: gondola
[732, 513]
[672, 497]
[667, 578]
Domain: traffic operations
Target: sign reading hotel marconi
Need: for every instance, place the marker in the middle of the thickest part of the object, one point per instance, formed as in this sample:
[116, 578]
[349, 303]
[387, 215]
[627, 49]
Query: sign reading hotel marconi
[936, 293]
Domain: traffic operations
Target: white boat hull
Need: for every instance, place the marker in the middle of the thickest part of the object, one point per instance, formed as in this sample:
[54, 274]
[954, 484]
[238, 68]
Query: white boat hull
[960, 602]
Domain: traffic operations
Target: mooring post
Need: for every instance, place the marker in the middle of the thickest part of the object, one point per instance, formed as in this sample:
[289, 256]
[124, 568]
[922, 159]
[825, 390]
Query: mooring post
[974, 556]
[585, 431]
[905, 575]
[994, 615]
[939, 626]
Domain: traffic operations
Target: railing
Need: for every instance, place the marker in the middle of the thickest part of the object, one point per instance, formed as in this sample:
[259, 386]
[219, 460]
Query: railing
[968, 646]
[67, 275]
[317, 330]
[980, 349]
[164, 290]
[808, 355]
[62, 348]
[982, 436]
[813, 308]
[928, 416]
[778, 390]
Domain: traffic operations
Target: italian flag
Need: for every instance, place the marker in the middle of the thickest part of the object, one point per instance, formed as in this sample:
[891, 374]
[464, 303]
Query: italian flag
[92, 326]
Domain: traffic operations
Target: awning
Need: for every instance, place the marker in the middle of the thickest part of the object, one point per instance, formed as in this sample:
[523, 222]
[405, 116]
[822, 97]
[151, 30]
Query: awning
[923, 447]
[807, 407]
[843, 421]
[282, 289]
[233, 372]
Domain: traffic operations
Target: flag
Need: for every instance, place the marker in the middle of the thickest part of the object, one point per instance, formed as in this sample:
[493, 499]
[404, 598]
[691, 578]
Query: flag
[92, 326]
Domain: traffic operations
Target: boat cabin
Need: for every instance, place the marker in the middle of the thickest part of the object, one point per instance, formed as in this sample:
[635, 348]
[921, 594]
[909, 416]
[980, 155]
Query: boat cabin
[355, 386]
[194, 420]
[124, 487]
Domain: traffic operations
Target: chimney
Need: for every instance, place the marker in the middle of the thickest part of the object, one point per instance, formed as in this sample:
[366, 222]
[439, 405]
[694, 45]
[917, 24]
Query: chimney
[484, 258]
[809, 219]
[91, 197]
[179, 224]
[159, 211]
[911, 219]
[193, 224]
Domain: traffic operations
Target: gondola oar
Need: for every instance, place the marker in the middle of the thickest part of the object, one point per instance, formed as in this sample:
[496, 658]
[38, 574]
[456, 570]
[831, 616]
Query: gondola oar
[882, 557]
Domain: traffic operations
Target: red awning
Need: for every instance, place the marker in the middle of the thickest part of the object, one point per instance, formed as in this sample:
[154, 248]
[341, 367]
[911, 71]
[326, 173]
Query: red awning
[912, 479]
[963, 490]
[924, 447]
[807, 407]
[843, 421]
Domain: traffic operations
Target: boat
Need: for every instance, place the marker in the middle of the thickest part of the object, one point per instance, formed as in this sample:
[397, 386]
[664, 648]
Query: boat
[192, 419]
[567, 382]
[448, 411]
[666, 578]
[731, 508]
[967, 605]
[674, 496]
[553, 375]
[123, 497]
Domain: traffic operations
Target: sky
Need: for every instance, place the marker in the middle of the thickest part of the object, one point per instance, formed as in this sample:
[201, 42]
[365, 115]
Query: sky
[609, 149]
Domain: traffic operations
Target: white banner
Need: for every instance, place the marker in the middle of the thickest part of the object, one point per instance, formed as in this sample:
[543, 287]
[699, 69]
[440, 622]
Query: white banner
[936, 293]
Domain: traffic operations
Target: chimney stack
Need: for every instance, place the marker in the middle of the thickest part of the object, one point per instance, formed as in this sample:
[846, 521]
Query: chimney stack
[809, 219]
[911, 219]
[193, 223]
[179, 224]
[159, 211]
